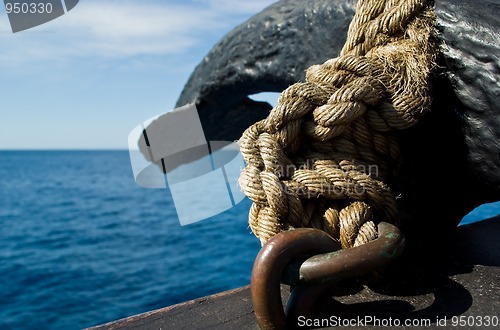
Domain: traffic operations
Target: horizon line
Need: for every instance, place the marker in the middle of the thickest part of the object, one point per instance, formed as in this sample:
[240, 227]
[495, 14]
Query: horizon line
[63, 149]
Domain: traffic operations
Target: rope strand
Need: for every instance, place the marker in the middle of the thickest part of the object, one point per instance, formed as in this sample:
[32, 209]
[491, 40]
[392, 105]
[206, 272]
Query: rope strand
[310, 162]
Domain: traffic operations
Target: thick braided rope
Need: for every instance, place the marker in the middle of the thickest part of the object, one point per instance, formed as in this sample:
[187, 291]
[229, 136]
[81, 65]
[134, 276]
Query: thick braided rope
[324, 155]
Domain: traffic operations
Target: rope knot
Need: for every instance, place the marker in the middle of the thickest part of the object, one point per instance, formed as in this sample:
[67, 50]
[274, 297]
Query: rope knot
[321, 157]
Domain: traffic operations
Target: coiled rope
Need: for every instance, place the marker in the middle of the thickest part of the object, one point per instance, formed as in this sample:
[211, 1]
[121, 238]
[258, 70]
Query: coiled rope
[324, 156]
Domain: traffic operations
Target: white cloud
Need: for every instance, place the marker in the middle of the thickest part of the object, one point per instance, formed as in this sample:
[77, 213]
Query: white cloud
[138, 28]
[238, 6]
[121, 29]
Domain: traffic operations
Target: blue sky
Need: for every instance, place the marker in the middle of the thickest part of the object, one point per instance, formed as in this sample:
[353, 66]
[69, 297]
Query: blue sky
[87, 78]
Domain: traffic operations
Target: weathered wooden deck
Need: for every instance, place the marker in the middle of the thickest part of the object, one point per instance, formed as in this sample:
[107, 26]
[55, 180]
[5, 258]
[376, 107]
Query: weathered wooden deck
[463, 281]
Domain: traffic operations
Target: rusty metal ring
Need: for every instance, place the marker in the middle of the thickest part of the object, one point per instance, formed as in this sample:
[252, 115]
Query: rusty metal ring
[269, 265]
[274, 264]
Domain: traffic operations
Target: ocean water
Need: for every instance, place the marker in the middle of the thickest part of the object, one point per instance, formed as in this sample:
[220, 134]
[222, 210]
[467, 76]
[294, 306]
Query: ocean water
[81, 244]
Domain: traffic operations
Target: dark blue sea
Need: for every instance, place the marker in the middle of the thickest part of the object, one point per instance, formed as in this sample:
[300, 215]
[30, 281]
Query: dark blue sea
[81, 244]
